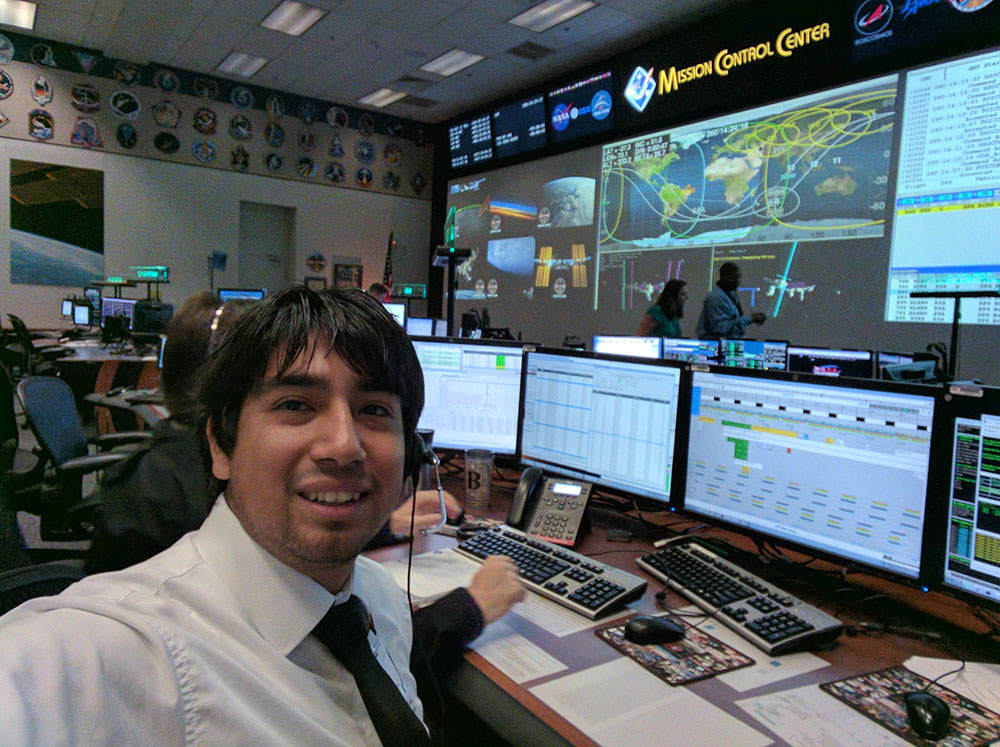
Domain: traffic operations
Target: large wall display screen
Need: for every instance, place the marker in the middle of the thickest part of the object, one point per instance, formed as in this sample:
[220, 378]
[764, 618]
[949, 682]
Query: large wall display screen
[948, 193]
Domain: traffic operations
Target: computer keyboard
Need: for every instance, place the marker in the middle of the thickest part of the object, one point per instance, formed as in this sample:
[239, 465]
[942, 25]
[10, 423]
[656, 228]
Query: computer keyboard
[575, 581]
[142, 396]
[771, 619]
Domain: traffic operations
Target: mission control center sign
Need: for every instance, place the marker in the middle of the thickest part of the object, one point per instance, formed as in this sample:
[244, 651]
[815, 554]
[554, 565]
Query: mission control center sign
[644, 83]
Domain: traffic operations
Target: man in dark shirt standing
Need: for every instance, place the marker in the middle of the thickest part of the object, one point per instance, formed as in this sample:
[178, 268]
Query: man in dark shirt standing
[722, 314]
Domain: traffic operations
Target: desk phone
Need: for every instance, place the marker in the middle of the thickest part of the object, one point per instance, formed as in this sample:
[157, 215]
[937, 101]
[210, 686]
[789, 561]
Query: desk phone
[549, 508]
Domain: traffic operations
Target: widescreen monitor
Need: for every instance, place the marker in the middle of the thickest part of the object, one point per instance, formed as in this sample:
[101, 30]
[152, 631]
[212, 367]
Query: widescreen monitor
[440, 327]
[471, 391]
[66, 308]
[124, 307]
[692, 351]
[835, 467]
[420, 326]
[232, 294]
[638, 347]
[82, 314]
[610, 421]
[398, 311]
[767, 355]
[830, 362]
[971, 561]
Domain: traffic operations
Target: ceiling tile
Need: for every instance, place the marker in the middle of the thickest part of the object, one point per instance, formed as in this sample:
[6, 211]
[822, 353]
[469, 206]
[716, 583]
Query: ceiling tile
[60, 24]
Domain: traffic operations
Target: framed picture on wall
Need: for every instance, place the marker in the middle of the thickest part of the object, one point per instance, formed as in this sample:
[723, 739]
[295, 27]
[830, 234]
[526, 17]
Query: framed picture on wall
[347, 276]
[315, 283]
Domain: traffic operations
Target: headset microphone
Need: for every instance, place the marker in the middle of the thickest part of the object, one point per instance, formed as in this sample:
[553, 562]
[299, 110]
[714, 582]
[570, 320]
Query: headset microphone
[431, 458]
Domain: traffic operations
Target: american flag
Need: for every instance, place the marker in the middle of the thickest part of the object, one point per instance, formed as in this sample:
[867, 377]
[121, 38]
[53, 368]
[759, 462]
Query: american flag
[387, 272]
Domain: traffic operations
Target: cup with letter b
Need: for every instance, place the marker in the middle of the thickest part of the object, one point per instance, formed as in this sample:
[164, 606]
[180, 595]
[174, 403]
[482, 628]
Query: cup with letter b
[478, 477]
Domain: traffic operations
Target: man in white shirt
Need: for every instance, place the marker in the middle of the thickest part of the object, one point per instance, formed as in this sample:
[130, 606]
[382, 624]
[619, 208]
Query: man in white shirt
[311, 405]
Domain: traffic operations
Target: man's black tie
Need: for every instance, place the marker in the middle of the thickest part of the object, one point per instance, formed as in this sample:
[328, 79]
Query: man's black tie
[344, 630]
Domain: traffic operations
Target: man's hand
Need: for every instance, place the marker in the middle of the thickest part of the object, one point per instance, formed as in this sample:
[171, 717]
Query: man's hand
[758, 317]
[496, 587]
[428, 512]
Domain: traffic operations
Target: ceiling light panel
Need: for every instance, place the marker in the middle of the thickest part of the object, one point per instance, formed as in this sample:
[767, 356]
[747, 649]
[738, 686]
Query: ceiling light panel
[18, 13]
[451, 62]
[381, 97]
[551, 13]
[292, 17]
[241, 64]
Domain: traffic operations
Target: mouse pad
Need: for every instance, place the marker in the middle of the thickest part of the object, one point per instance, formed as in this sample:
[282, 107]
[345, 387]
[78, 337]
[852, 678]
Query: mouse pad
[879, 696]
[696, 656]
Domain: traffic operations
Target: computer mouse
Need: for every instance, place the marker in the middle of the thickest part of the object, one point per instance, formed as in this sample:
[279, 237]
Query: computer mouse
[646, 629]
[929, 715]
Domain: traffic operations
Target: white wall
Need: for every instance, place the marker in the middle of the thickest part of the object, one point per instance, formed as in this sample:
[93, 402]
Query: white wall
[157, 212]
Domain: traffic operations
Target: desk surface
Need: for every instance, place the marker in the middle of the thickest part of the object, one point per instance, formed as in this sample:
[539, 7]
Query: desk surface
[94, 351]
[514, 712]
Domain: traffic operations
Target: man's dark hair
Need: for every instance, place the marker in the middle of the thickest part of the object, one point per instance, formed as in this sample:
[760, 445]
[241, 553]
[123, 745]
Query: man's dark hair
[297, 321]
[728, 268]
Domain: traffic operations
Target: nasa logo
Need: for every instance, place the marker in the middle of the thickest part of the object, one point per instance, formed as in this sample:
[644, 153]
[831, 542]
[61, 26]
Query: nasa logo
[872, 17]
[560, 117]
[600, 105]
[640, 87]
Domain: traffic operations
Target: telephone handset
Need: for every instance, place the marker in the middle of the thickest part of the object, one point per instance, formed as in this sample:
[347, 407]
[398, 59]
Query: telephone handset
[549, 508]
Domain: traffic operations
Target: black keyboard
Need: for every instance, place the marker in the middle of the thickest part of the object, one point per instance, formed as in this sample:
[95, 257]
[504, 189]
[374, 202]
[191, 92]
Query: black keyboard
[142, 396]
[762, 613]
[575, 581]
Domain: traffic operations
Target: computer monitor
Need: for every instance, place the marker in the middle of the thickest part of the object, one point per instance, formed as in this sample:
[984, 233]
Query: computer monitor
[232, 294]
[420, 326]
[885, 358]
[82, 314]
[917, 372]
[398, 311]
[607, 420]
[835, 467]
[93, 296]
[471, 392]
[971, 562]
[692, 351]
[66, 308]
[151, 317]
[440, 327]
[637, 347]
[830, 361]
[767, 355]
[117, 307]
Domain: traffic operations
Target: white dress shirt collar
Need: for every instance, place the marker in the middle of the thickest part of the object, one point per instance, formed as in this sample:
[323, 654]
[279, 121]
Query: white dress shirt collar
[283, 604]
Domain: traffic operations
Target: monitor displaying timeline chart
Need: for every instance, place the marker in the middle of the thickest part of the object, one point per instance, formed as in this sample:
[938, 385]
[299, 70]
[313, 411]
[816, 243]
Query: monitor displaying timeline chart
[830, 362]
[609, 421]
[471, 392]
[972, 553]
[639, 347]
[233, 294]
[117, 307]
[692, 351]
[768, 355]
[825, 465]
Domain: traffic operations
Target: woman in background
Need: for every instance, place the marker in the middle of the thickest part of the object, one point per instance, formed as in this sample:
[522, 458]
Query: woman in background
[663, 317]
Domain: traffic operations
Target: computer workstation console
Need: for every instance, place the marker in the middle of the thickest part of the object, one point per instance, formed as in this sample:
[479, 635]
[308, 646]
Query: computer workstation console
[837, 469]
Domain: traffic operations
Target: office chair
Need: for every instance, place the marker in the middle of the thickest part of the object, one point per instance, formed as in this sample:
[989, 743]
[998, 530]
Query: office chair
[50, 409]
[19, 469]
[34, 360]
[45, 579]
